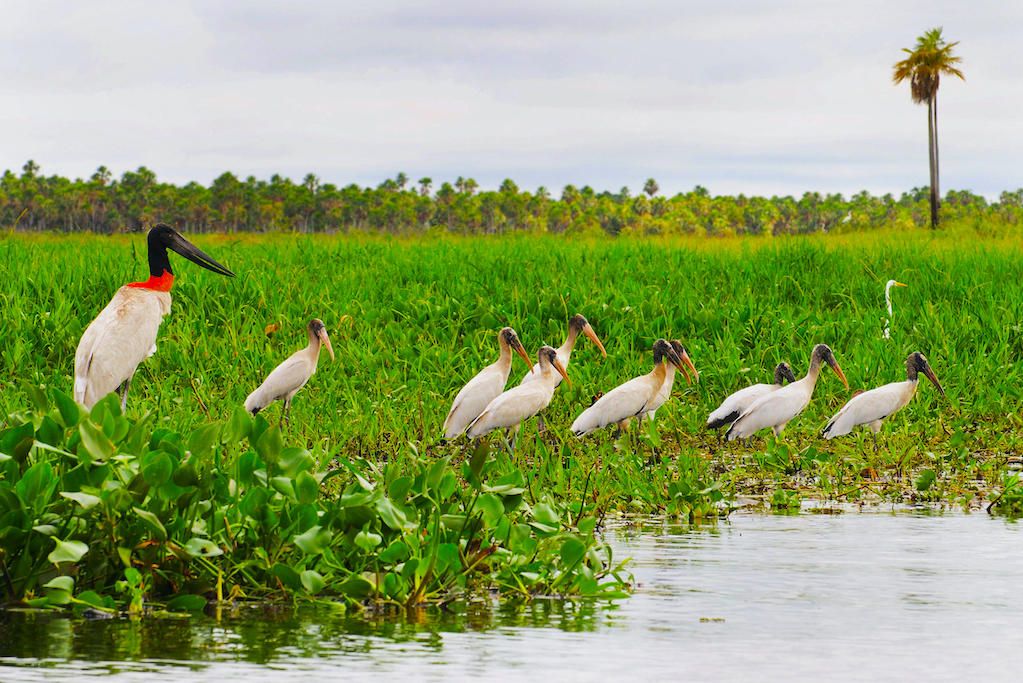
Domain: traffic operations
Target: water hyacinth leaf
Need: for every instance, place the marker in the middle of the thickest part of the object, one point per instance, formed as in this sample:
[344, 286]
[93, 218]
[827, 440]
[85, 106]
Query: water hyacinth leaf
[312, 581]
[157, 468]
[185, 475]
[253, 502]
[307, 489]
[187, 603]
[45, 529]
[313, 541]
[152, 523]
[586, 525]
[572, 551]
[86, 500]
[399, 488]
[203, 439]
[32, 488]
[356, 587]
[294, 460]
[448, 559]
[545, 514]
[248, 463]
[492, 507]
[202, 547]
[50, 432]
[390, 514]
[37, 397]
[269, 445]
[925, 480]
[17, 441]
[367, 540]
[285, 486]
[69, 411]
[437, 471]
[239, 427]
[287, 576]
[67, 551]
[96, 443]
[64, 583]
[394, 553]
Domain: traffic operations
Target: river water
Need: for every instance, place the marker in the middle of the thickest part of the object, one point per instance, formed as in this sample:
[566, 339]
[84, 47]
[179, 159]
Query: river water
[853, 596]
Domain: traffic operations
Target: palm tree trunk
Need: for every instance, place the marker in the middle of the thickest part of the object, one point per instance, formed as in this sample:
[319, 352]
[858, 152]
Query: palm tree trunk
[937, 162]
[932, 160]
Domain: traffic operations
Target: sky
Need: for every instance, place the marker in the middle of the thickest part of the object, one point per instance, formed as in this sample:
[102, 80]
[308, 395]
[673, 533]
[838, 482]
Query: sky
[739, 96]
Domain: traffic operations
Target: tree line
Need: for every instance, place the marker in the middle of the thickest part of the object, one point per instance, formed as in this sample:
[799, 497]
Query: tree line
[32, 201]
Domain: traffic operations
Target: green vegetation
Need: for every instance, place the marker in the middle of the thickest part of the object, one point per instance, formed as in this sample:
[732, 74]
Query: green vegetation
[34, 202]
[924, 65]
[101, 511]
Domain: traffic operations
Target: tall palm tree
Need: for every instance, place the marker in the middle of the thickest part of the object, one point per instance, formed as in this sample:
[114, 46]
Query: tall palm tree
[923, 67]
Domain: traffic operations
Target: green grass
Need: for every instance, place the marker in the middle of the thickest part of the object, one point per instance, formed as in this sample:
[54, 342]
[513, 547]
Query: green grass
[424, 315]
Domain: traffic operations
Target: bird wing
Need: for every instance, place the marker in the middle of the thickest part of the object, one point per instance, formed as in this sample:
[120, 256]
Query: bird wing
[770, 410]
[736, 404]
[282, 382]
[117, 341]
[474, 398]
[512, 407]
[876, 404]
[624, 401]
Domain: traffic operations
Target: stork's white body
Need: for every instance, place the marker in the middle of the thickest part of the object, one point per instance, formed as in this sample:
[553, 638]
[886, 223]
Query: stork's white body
[738, 403]
[663, 394]
[516, 405]
[776, 408]
[624, 401]
[477, 394]
[117, 341]
[871, 408]
[286, 379]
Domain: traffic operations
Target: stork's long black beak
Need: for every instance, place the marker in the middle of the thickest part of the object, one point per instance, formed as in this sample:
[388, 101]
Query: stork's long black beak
[196, 255]
[934, 379]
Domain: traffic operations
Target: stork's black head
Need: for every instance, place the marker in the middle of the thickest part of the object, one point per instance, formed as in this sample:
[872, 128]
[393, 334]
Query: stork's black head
[510, 339]
[577, 323]
[783, 373]
[822, 353]
[917, 363]
[163, 237]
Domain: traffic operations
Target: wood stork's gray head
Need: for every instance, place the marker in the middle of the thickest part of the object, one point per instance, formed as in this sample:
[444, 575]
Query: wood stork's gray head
[163, 237]
[822, 353]
[687, 362]
[783, 373]
[318, 332]
[548, 357]
[507, 337]
[916, 363]
[577, 323]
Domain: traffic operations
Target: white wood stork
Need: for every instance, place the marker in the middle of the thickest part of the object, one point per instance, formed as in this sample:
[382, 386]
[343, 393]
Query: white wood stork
[888, 304]
[485, 386]
[669, 380]
[520, 403]
[777, 408]
[576, 325]
[124, 333]
[631, 398]
[287, 378]
[872, 407]
[736, 404]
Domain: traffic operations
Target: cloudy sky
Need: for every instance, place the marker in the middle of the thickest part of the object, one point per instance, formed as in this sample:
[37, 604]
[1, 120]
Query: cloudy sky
[738, 96]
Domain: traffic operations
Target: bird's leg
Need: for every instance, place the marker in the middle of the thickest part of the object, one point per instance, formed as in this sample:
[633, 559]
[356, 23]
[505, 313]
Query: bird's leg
[541, 426]
[286, 414]
[124, 394]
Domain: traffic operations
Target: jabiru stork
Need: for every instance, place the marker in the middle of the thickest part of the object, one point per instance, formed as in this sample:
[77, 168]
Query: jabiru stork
[485, 386]
[872, 407]
[124, 333]
[736, 404]
[777, 408]
[287, 378]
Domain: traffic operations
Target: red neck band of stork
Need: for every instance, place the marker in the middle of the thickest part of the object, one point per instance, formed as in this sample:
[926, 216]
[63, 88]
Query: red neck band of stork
[159, 283]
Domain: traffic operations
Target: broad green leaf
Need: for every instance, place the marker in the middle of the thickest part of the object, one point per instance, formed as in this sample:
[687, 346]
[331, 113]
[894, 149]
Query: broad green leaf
[367, 540]
[390, 514]
[307, 489]
[86, 500]
[95, 441]
[492, 508]
[312, 581]
[157, 468]
[64, 583]
[202, 439]
[313, 541]
[186, 603]
[70, 412]
[287, 576]
[202, 547]
[153, 523]
[270, 445]
[67, 551]
[572, 551]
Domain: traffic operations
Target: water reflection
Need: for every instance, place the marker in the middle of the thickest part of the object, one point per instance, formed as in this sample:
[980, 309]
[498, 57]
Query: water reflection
[758, 596]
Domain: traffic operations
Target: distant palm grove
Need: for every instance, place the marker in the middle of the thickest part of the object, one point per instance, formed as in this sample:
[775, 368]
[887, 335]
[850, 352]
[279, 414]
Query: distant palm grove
[102, 203]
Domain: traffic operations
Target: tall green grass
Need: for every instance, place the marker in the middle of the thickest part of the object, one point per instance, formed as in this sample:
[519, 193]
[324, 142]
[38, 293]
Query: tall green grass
[424, 315]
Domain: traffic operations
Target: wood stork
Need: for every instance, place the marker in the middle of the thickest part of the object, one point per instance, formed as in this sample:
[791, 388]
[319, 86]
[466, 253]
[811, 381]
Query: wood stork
[669, 379]
[485, 386]
[287, 378]
[631, 398]
[520, 403]
[124, 333]
[777, 408]
[736, 404]
[888, 304]
[872, 407]
[576, 325]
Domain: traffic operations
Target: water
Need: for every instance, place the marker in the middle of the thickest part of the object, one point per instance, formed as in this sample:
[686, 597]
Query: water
[852, 596]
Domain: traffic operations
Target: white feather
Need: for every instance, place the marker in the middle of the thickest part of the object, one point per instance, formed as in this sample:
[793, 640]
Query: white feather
[870, 408]
[740, 401]
[774, 410]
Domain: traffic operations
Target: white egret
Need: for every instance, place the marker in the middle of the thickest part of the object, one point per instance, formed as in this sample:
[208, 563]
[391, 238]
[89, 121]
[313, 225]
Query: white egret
[485, 386]
[124, 333]
[777, 408]
[872, 407]
[736, 404]
[287, 378]
[518, 404]
[888, 304]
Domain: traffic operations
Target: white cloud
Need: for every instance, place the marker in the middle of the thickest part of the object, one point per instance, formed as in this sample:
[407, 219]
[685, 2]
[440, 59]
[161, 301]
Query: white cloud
[740, 96]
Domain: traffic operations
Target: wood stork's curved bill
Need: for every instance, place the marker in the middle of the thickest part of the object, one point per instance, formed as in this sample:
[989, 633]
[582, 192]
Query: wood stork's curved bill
[588, 331]
[829, 358]
[923, 366]
[685, 363]
[559, 367]
[172, 239]
[321, 333]
[512, 340]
